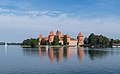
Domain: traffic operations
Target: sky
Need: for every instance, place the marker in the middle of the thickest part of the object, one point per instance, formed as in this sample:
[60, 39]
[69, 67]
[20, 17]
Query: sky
[22, 19]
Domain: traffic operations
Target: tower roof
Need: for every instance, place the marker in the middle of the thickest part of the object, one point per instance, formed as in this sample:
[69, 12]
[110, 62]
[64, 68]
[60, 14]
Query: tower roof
[51, 33]
[80, 34]
[40, 36]
[58, 32]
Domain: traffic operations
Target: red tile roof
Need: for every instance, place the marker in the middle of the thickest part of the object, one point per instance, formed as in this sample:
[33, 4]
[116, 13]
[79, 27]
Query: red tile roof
[40, 36]
[51, 33]
[80, 34]
[58, 33]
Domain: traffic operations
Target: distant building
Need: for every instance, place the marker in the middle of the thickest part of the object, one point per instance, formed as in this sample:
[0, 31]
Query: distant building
[71, 41]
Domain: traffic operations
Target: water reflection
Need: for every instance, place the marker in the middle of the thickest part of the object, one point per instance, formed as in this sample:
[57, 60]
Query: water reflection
[98, 53]
[80, 53]
[31, 52]
[51, 55]
[95, 54]
[40, 53]
[65, 53]
[6, 50]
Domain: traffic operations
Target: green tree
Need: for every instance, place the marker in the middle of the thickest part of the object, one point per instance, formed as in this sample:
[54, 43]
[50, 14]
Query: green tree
[26, 42]
[86, 40]
[111, 42]
[42, 41]
[30, 42]
[65, 40]
[34, 42]
[91, 39]
[56, 40]
[100, 39]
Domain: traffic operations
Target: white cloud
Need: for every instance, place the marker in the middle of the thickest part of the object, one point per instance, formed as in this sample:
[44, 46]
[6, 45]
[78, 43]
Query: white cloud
[18, 27]
[4, 10]
[30, 12]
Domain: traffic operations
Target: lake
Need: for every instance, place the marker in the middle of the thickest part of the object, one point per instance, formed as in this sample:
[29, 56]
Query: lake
[72, 60]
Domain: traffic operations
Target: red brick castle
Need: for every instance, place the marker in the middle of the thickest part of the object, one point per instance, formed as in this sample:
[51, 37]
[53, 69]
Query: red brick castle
[71, 41]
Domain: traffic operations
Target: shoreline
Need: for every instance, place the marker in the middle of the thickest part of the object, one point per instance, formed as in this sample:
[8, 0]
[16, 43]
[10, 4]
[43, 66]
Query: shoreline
[53, 46]
[26, 46]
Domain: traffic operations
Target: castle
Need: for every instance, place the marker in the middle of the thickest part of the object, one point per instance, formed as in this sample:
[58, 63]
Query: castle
[70, 41]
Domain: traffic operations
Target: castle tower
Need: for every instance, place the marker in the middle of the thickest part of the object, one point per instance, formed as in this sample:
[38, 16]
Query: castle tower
[68, 38]
[51, 37]
[40, 38]
[80, 39]
[58, 33]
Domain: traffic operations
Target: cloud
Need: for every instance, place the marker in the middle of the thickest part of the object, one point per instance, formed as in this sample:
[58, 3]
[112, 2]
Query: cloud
[16, 26]
[4, 10]
[29, 12]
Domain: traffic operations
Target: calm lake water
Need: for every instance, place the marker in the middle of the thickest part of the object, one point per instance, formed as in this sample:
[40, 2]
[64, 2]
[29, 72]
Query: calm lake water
[73, 60]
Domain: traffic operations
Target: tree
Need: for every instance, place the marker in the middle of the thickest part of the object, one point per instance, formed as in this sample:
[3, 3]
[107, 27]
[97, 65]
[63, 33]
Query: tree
[98, 40]
[30, 42]
[56, 40]
[111, 42]
[105, 41]
[65, 40]
[91, 39]
[42, 41]
[86, 40]
[34, 42]
[26, 42]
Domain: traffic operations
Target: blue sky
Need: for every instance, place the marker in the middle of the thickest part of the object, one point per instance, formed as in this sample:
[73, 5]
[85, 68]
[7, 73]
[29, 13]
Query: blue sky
[21, 19]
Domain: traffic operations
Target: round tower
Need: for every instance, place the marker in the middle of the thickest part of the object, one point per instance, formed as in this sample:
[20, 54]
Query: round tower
[68, 38]
[80, 39]
[51, 37]
[58, 33]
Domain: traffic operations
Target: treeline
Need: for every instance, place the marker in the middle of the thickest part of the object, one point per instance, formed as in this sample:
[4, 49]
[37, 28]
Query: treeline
[33, 42]
[117, 41]
[14, 43]
[100, 41]
[3, 43]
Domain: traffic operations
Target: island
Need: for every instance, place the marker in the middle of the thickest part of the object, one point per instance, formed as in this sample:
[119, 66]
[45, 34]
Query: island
[58, 40]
